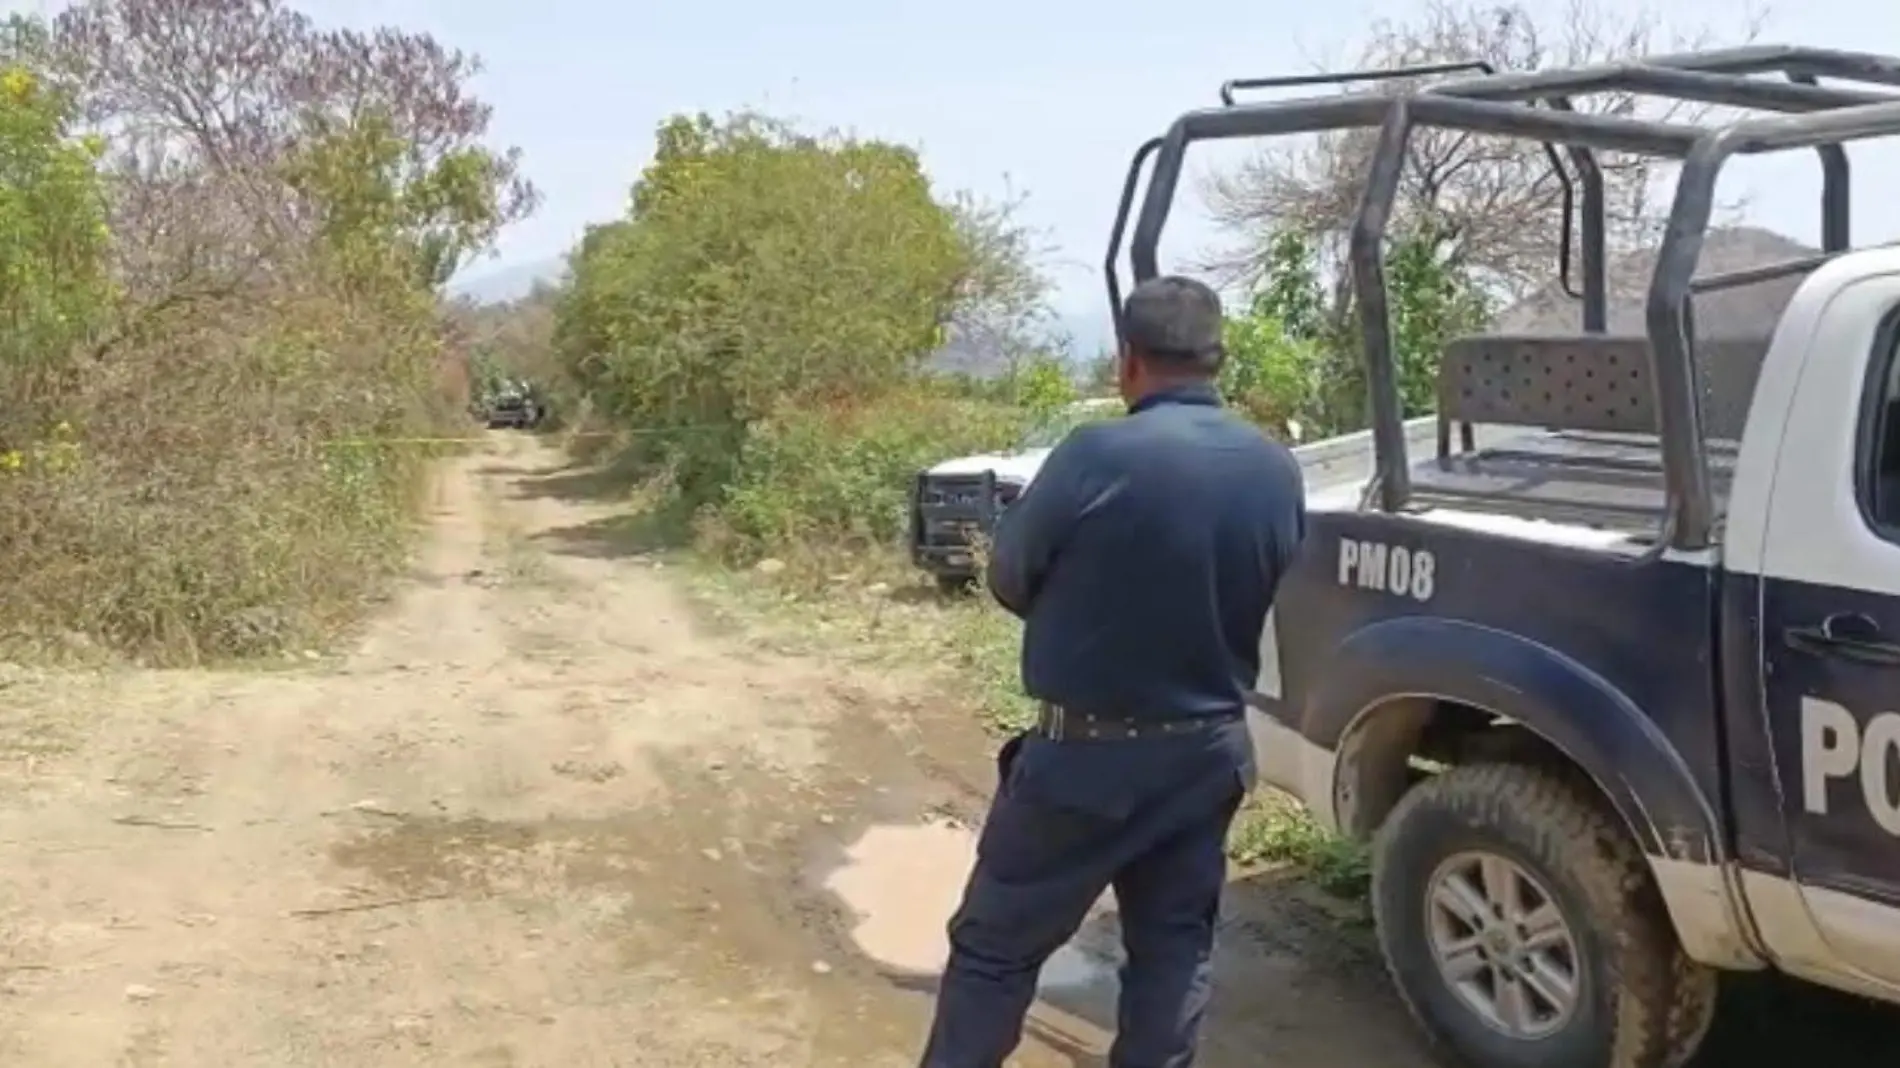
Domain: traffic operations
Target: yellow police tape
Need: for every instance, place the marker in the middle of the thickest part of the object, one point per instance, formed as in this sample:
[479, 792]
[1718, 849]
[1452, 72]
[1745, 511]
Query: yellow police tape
[345, 443]
[477, 439]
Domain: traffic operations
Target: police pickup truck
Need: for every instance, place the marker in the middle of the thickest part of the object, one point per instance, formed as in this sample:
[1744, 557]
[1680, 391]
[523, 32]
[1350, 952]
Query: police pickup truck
[1613, 688]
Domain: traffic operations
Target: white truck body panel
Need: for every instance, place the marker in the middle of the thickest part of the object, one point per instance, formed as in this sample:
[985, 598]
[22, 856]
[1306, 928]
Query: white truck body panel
[1795, 518]
[1020, 465]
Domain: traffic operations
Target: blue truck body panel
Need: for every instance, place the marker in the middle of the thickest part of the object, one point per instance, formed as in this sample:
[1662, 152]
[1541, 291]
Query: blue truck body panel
[1668, 680]
[1591, 656]
[1752, 793]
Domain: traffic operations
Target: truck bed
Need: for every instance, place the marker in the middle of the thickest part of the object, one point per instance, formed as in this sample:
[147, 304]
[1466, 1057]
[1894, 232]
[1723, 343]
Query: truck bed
[1334, 467]
[1602, 481]
[1606, 481]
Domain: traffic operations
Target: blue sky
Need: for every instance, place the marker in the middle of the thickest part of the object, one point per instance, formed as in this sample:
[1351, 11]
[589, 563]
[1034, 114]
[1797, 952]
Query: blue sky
[1047, 97]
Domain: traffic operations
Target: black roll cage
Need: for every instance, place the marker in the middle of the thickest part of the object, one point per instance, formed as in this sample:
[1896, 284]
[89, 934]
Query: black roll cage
[1822, 118]
[1284, 81]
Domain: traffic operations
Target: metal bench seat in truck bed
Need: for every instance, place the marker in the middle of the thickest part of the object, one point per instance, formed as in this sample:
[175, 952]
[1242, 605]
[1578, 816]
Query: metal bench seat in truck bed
[1588, 452]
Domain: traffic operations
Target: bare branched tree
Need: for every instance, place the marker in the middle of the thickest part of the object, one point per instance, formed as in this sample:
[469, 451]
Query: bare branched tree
[1001, 311]
[1495, 204]
[206, 103]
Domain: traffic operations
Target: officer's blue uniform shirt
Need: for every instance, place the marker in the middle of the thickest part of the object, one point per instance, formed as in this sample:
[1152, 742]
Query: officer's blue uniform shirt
[1144, 557]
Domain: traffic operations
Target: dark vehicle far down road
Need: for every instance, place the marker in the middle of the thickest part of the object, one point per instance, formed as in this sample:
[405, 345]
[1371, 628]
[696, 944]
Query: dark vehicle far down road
[512, 406]
[1609, 677]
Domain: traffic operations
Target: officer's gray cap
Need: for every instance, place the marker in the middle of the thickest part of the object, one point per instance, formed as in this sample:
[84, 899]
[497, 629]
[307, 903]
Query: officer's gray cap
[1174, 319]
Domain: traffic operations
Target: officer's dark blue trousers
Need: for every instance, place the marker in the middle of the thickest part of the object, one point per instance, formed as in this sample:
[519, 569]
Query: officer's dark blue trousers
[1148, 817]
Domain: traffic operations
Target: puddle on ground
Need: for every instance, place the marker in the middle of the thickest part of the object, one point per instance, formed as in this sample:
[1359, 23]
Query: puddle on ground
[1080, 974]
[902, 882]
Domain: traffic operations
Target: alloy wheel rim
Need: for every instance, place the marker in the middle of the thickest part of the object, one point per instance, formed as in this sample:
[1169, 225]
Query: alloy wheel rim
[1502, 945]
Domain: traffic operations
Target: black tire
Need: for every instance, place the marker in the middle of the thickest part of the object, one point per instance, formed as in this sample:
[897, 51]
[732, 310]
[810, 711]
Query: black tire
[1641, 1003]
[1692, 1013]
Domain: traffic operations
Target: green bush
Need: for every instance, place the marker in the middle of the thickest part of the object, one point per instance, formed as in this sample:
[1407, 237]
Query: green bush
[1040, 386]
[758, 267]
[838, 476]
[759, 325]
[1294, 357]
[54, 279]
[235, 504]
[1277, 379]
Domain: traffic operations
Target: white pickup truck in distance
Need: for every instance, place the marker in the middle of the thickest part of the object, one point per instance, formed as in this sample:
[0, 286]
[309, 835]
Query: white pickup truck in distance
[1611, 683]
[959, 499]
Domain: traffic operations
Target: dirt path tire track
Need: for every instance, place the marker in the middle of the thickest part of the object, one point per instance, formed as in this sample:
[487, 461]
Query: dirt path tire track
[538, 816]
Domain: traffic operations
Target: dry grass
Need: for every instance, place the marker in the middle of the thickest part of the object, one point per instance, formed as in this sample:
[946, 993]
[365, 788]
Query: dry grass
[871, 609]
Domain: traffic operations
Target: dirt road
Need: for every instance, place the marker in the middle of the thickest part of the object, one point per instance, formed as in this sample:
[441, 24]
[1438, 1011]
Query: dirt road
[543, 814]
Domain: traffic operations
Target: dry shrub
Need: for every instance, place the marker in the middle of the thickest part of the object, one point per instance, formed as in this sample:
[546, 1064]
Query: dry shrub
[222, 229]
[217, 492]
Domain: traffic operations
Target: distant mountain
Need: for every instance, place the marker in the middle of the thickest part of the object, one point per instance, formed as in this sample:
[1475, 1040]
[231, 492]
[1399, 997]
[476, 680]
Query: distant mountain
[504, 284]
[1740, 311]
[978, 353]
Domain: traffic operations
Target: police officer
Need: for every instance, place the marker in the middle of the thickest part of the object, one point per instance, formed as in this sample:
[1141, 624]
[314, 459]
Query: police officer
[1143, 560]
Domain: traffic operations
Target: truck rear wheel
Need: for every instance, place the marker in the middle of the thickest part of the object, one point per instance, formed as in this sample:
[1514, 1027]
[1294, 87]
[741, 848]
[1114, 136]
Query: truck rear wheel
[1521, 927]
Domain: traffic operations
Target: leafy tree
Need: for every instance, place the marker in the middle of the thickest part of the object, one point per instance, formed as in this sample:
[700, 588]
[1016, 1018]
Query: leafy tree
[1294, 359]
[1273, 375]
[1290, 290]
[1431, 301]
[585, 312]
[54, 288]
[759, 266]
[369, 196]
[213, 106]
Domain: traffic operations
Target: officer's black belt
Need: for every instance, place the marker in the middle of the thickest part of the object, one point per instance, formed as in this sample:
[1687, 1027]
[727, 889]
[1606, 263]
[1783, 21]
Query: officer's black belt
[1060, 724]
